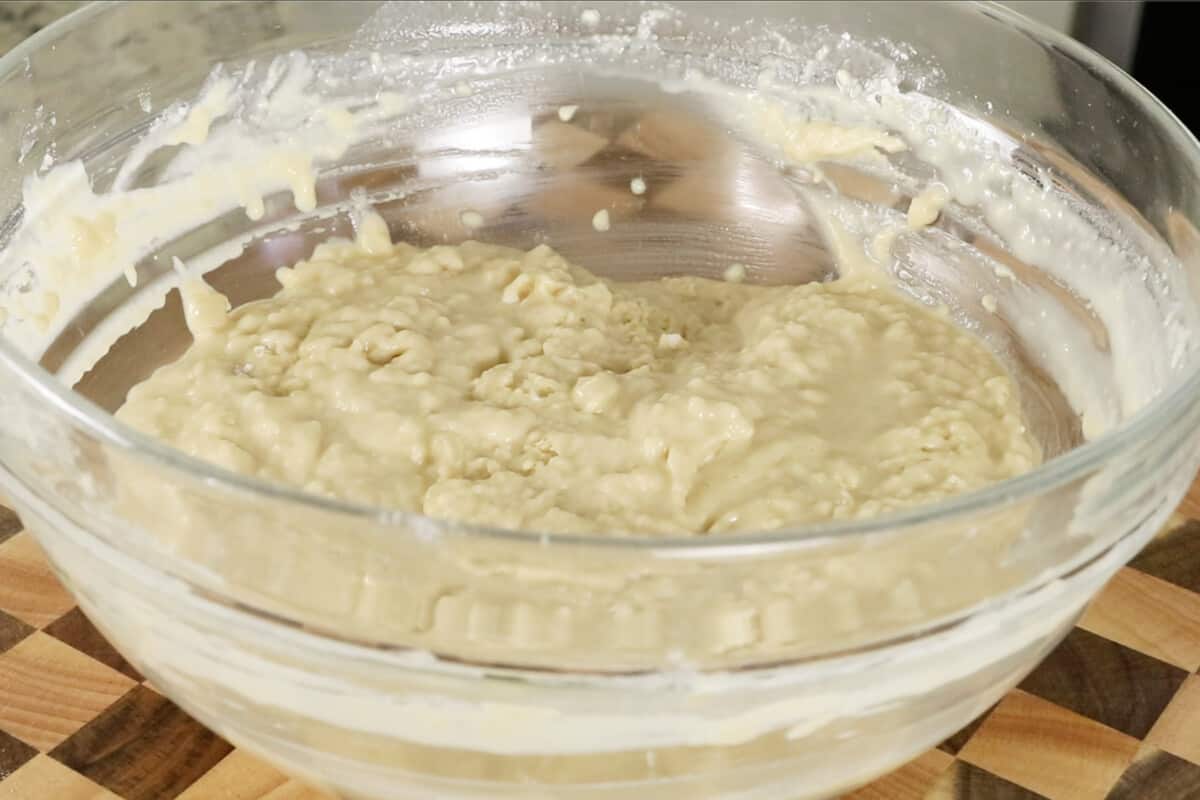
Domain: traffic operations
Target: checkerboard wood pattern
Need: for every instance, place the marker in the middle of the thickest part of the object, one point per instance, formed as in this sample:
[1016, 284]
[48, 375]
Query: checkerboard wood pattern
[1112, 714]
[77, 722]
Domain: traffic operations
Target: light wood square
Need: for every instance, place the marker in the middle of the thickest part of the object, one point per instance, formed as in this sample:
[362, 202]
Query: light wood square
[29, 589]
[1178, 728]
[49, 690]
[913, 781]
[1150, 615]
[44, 778]
[241, 776]
[1050, 750]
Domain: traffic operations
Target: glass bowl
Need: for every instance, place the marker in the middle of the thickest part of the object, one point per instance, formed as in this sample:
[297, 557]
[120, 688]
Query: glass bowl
[383, 654]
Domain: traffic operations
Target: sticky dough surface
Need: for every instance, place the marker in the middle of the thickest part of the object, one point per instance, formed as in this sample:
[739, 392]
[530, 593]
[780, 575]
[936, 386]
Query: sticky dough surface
[514, 389]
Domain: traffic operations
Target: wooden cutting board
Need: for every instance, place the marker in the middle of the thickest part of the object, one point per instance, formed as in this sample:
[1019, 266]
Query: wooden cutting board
[1113, 713]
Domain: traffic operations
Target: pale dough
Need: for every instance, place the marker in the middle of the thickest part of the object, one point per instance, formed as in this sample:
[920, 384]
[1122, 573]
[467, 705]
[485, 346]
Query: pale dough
[514, 389]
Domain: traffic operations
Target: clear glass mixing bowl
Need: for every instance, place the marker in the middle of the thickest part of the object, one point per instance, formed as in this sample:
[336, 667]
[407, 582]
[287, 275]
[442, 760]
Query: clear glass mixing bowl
[387, 655]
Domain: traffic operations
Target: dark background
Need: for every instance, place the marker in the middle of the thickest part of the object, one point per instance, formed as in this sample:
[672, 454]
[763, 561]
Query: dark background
[1166, 56]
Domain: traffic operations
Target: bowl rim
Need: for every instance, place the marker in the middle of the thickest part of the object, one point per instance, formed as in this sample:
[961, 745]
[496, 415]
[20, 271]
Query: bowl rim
[1142, 426]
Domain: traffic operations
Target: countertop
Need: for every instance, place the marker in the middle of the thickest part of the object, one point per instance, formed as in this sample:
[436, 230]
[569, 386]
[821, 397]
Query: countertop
[22, 18]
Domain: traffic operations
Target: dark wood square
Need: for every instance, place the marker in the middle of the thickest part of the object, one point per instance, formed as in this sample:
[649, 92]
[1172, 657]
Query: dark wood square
[10, 524]
[143, 747]
[1107, 682]
[1160, 776]
[13, 754]
[1174, 557]
[75, 629]
[12, 630]
[972, 783]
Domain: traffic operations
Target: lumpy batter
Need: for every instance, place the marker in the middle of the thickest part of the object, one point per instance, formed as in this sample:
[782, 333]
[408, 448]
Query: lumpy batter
[514, 389]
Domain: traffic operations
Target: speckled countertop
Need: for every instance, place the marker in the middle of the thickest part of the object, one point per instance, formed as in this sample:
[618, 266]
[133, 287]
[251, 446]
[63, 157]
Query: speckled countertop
[127, 63]
[22, 18]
